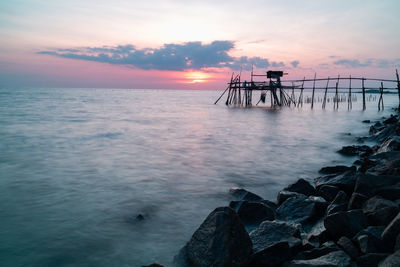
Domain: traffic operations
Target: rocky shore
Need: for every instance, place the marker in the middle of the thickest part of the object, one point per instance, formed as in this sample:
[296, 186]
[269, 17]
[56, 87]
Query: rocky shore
[348, 216]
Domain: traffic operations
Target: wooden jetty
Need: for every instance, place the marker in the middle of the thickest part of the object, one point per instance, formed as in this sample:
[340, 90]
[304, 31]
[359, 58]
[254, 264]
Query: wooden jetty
[291, 92]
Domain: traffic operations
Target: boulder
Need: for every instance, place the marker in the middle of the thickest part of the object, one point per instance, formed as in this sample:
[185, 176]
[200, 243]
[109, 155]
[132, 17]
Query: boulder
[392, 260]
[153, 265]
[270, 204]
[315, 234]
[243, 194]
[389, 192]
[301, 186]
[367, 244]
[388, 167]
[297, 210]
[345, 223]
[371, 259]
[328, 192]
[366, 121]
[273, 255]
[356, 201]
[335, 258]
[369, 240]
[348, 247]
[336, 169]
[345, 181]
[366, 164]
[391, 120]
[391, 231]
[320, 204]
[317, 252]
[283, 195]
[390, 144]
[355, 150]
[253, 213]
[368, 184]
[338, 204]
[221, 240]
[380, 211]
[397, 245]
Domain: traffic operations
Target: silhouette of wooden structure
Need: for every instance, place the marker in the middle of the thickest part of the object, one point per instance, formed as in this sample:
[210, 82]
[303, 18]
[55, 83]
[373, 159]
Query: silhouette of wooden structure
[283, 92]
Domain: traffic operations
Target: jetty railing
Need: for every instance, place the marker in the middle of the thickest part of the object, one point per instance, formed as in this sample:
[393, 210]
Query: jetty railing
[283, 92]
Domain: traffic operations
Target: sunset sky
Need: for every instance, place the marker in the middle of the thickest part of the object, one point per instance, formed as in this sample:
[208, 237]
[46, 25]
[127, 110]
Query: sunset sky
[192, 44]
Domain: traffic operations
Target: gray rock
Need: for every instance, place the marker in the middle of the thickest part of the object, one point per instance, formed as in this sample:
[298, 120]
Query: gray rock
[371, 259]
[355, 150]
[367, 244]
[345, 181]
[315, 234]
[243, 194]
[397, 245]
[347, 245]
[390, 144]
[391, 231]
[338, 204]
[301, 186]
[389, 192]
[221, 240]
[356, 201]
[336, 169]
[345, 223]
[335, 258]
[317, 252]
[283, 195]
[380, 211]
[296, 209]
[392, 260]
[368, 184]
[328, 192]
[391, 120]
[253, 213]
[273, 255]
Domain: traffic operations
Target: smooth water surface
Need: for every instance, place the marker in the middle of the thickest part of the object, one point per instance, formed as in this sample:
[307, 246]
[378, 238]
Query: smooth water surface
[78, 165]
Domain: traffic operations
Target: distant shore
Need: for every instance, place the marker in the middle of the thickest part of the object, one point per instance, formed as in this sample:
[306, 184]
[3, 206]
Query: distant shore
[348, 216]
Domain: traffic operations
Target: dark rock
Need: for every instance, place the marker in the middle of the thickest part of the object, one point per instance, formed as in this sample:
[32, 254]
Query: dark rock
[367, 244]
[366, 121]
[382, 133]
[301, 186]
[243, 194]
[368, 184]
[391, 120]
[139, 217]
[328, 192]
[221, 240]
[271, 233]
[270, 204]
[392, 260]
[366, 164]
[345, 223]
[153, 265]
[253, 213]
[371, 259]
[320, 204]
[316, 234]
[380, 211]
[389, 167]
[335, 258]
[336, 169]
[369, 240]
[317, 252]
[389, 192]
[348, 247]
[355, 150]
[283, 195]
[338, 204]
[391, 231]
[397, 245]
[345, 181]
[390, 144]
[273, 255]
[356, 201]
[296, 209]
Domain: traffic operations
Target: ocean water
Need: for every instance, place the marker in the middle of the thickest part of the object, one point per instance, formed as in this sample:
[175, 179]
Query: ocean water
[77, 166]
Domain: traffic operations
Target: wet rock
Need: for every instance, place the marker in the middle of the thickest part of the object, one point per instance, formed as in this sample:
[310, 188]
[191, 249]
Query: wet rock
[390, 144]
[283, 195]
[348, 247]
[391, 231]
[320, 204]
[317, 252]
[391, 260]
[389, 167]
[369, 240]
[382, 133]
[296, 209]
[335, 258]
[336, 169]
[301, 186]
[391, 120]
[243, 194]
[368, 184]
[153, 265]
[328, 192]
[380, 211]
[253, 213]
[397, 245]
[273, 255]
[356, 201]
[316, 234]
[367, 244]
[366, 164]
[366, 121]
[389, 192]
[221, 240]
[270, 233]
[355, 150]
[345, 223]
[338, 204]
[345, 181]
[371, 259]
[139, 217]
[270, 204]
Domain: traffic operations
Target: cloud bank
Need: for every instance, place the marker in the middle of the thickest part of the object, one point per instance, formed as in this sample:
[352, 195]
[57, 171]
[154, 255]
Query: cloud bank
[173, 57]
[373, 62]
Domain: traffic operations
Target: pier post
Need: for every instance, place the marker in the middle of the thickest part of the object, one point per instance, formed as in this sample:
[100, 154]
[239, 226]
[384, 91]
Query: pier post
[313, 90]
[398, 86]
[349, 103]
[363, 93]
[326, 91]
[381, 98]
[336, 99]
[301, 94]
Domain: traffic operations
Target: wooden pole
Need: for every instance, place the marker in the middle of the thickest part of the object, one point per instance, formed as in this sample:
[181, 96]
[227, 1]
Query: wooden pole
[349, 103]
[326, 91]
[301, 93]
[221, 95]
[398, 86]
[336, 102]
[381, 98]
[363, 93]
[313, 90]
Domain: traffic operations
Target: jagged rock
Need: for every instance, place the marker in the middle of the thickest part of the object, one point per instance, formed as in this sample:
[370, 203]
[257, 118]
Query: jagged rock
[283, 195]
[389, 167]
[367, 244]
[345, 223]
[382, 133]
[335, 258]
[320, 204]
[338, 204]
[336, 169]
[392, 260]
[391, 120]
[371, 259]
[253, 213]
[369, 240]
[391, 231]
[270, 204]
[356, 201]
[317, 252]
[380, 211]
[273, 255]
[316, 234]
[390, 144]
[221, 240]
[348, 247]
[368, 184]
[345, 181]
[301, 186]
[366, 164]
[297, 209]
[328, 192]
[355, 150]
[271, 233]
[389, 192]
[397, 245]
[243, 194]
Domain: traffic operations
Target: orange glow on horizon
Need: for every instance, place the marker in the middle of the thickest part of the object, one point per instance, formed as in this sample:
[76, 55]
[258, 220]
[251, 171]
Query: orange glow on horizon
[196, 77]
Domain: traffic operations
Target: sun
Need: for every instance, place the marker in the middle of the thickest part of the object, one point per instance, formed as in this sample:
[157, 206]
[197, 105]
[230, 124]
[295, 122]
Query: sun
[196, 77]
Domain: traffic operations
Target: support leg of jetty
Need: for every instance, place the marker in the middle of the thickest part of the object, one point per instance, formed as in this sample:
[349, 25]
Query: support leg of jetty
[381, 98]
[398, 86]
[363, 93]
[301, 94]
[336, 99]
[349, 104]
[326, 91]
[313, 90]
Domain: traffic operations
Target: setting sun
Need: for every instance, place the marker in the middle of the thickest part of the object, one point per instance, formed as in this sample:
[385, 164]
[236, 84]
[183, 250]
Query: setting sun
[196, 77]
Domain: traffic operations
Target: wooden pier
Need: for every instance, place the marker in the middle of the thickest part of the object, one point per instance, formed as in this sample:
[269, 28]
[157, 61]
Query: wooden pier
[291, 92]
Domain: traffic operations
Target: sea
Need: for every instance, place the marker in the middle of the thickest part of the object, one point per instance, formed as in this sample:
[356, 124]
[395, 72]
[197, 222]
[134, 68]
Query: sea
[123, 177]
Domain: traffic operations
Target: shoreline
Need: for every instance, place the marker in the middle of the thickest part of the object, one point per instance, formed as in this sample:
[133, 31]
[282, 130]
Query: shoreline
[349, 215]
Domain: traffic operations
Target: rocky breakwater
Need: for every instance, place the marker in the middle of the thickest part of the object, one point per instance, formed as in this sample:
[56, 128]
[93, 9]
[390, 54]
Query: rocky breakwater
[348, 216]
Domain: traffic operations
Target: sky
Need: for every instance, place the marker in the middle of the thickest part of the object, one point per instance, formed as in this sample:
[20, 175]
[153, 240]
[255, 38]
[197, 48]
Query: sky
[177, 44]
